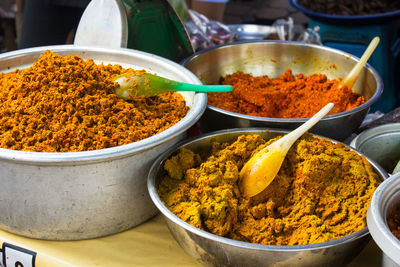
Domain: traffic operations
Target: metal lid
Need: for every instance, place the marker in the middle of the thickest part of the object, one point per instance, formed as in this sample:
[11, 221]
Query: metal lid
[103, 23]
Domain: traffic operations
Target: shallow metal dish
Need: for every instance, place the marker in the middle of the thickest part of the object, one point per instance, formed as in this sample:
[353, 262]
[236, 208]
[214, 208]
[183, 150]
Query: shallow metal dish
[80, 195]
[212, 250]
[272, 58]
[381, 143]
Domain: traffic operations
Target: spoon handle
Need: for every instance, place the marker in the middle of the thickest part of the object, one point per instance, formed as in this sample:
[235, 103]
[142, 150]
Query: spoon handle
[202, 88]
[162, 84]
[287, 141]
[351, 78]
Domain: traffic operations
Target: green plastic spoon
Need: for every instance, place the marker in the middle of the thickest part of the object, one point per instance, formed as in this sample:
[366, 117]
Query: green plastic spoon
[149, 85]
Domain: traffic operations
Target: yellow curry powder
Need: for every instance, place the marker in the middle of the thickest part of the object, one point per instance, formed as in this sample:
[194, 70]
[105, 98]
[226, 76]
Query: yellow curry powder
[321, 193]
[63, 104]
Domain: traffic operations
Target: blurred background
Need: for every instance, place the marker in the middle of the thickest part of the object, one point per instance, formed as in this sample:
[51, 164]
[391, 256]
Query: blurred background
[263, 12]
[350, 28]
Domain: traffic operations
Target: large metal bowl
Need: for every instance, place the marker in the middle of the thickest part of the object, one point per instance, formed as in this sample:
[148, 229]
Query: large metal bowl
[213, 250]
[80, 195]
[272, 58]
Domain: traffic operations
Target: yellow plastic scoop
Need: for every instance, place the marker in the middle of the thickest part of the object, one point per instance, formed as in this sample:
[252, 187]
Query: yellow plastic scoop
[262, 167]
[351, 78]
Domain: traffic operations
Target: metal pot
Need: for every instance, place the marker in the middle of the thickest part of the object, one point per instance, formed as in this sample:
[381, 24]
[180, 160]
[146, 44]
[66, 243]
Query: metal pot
[272, 58]
[81, 195]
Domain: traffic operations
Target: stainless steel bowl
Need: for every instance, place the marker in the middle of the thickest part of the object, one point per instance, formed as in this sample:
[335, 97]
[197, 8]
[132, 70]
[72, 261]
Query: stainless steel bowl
[80, 195]
[209, 249]
[252, 31]
[272, 58]
[384, 200]
[381, 143]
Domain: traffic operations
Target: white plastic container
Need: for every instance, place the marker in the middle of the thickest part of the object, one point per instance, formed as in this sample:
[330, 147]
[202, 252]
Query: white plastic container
[384, 200]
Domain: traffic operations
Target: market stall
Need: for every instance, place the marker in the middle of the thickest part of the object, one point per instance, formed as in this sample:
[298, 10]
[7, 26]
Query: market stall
[149, 244]
[98, 170]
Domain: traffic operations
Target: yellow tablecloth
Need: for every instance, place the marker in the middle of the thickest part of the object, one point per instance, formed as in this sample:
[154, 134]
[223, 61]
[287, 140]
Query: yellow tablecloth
[149, 244]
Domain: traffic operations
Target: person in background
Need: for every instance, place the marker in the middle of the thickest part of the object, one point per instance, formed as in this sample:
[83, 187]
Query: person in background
[212, 9]
[18, 18]
[50, 22]
[8, 10]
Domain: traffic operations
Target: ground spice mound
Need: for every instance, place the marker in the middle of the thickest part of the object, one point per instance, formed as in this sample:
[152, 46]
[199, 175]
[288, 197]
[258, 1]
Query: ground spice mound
[288, 96]
[394, 221]
[321, 193]
[351, 7]
[64, 104]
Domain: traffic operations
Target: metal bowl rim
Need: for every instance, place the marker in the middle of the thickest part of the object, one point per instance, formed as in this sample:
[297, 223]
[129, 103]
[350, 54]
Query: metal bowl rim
[368, 134]
[193, 115]
[227, 241]
[367, 104]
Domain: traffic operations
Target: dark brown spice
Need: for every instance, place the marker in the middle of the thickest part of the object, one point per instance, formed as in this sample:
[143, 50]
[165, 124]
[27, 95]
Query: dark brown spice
[394, 221]
[351, 7]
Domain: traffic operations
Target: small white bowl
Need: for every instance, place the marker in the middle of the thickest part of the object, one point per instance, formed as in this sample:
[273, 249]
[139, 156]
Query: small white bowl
[384, 200]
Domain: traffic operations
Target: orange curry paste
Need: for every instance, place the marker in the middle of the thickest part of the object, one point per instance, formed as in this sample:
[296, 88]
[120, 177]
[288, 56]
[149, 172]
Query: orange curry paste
[63, 104]
[288, 96]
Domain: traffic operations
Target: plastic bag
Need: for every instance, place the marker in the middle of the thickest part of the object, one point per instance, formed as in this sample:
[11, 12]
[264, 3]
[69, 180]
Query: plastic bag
[204, 32]
[286, 30]
[310, 36]
[197, 37]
